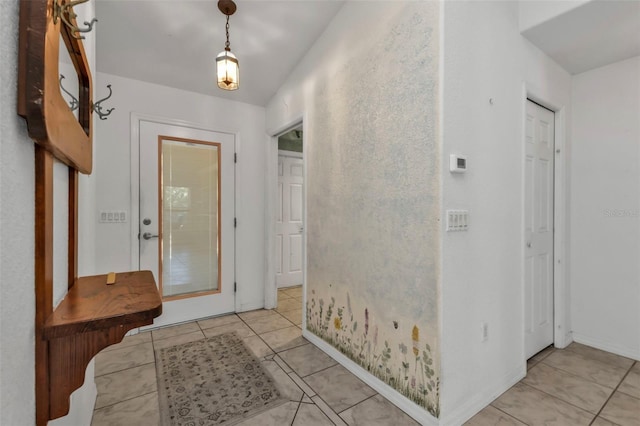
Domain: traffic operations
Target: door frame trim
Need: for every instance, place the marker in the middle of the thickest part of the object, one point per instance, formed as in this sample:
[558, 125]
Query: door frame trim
[291, 154]
[271, 184]
[297, 156]
[561, 301]
[134, 215]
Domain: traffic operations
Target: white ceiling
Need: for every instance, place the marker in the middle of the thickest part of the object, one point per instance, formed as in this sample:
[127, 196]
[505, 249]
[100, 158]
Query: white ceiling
[595, 34]
[175, 42]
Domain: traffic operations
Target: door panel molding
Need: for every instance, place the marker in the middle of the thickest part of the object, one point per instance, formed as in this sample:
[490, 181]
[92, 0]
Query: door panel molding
[548, 99]
[538, 228]
[289, 221]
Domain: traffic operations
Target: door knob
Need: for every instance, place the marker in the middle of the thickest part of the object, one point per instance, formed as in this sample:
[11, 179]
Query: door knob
[148, 236]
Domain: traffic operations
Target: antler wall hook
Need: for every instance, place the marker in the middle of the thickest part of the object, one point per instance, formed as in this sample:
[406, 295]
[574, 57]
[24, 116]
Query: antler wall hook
[74, 104]
[65, 12]
[97, 108]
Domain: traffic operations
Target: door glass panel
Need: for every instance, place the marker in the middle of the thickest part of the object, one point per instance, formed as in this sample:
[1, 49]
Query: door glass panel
[190, 217]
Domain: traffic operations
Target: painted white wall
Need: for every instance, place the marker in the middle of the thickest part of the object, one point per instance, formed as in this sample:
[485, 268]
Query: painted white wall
[17, 302]
[605, 218]
[113, 180]
[535, 12]
[485, 57]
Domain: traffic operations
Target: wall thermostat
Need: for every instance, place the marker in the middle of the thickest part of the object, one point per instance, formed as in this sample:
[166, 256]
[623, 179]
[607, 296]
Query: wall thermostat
[457, 163]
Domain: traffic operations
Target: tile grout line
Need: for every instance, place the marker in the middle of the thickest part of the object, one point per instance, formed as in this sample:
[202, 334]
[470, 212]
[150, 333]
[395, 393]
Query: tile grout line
[260, 335]
[560, 399]
[574, 374]
[614, 391]
[331, 408]
[293, 347]
[285, 363]
[591, 358]
[348, 408]
[125, 400]
[281, 328]
[95, 376]
[296, 414]
[570, 374]
[628, 372]
[315, 372]
[508, 415]
[221, 316]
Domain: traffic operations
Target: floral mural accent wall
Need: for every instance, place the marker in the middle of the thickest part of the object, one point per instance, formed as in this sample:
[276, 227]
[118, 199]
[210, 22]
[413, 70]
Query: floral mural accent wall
[415, 377]
[373, 197]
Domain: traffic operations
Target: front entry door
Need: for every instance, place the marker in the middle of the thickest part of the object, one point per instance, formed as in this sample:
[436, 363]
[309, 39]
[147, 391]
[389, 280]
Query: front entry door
[538, 232]
[289, 222]
[187, 206]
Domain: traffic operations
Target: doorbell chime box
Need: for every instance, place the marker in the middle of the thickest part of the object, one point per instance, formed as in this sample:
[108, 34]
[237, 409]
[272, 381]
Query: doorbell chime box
[457, 163]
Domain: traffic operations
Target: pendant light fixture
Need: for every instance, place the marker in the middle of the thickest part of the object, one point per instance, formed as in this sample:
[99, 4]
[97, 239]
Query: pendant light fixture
[228, 71]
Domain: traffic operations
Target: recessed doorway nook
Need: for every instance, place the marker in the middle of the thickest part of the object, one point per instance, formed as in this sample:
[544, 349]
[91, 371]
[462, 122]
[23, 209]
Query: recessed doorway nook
[286, 212]
[560, 301]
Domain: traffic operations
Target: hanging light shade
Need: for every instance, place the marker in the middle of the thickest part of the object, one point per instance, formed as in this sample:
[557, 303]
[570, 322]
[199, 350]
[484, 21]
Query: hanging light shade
[227, 70]
[227, 67]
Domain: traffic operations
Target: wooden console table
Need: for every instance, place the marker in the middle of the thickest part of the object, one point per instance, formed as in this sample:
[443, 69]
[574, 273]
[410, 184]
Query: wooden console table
[92, 316]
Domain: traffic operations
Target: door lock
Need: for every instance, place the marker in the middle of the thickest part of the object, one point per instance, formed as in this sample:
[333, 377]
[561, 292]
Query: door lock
[146, 221]
[148, 236]
[529, 245]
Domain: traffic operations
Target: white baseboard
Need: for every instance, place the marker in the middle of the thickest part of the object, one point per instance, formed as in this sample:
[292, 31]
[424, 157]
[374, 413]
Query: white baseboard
[607, 346]
[475, 404]
[419, 414]
[244, 307]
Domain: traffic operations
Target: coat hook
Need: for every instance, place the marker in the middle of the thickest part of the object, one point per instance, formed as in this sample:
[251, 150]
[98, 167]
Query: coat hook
[74, 104]
[65, 12]
[97, 108]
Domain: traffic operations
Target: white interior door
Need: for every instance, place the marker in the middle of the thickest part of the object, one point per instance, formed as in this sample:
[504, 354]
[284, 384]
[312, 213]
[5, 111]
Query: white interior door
[289, 222]
[538, 232]
[187, 206]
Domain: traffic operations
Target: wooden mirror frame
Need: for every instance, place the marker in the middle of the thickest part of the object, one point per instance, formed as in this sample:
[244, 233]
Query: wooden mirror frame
[50, 121]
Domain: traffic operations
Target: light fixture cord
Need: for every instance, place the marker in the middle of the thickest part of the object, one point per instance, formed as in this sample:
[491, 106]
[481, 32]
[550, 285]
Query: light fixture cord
[227, 44]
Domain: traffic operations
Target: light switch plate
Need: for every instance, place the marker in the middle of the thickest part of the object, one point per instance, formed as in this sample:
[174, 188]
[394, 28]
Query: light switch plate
[112, 216]
[457, 220]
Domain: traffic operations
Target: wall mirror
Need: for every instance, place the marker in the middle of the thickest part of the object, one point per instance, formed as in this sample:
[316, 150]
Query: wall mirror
[69, 82]
[51, 46]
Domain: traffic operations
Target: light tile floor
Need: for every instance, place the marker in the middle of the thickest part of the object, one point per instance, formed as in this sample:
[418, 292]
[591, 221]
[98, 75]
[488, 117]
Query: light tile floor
[575, 386]
[578, 385]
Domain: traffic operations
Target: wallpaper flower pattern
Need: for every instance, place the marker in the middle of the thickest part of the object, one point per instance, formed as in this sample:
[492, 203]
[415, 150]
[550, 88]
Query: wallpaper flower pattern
[415, 377]
[373, 197]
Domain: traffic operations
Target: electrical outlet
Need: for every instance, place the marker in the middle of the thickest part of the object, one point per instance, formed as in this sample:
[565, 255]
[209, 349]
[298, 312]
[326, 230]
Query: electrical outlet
[485, 331]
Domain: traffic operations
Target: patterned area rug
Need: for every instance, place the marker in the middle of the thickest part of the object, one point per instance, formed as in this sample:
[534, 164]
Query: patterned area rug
[212, 381]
